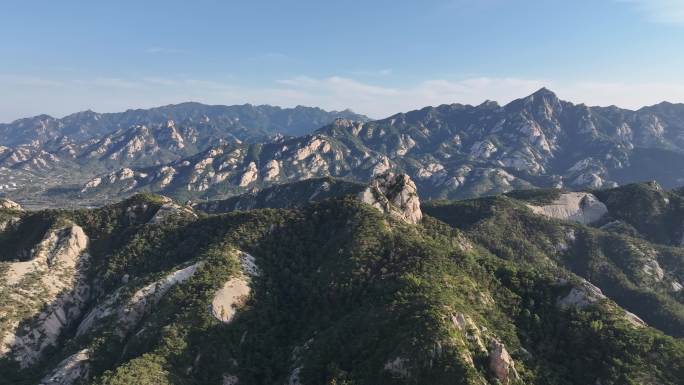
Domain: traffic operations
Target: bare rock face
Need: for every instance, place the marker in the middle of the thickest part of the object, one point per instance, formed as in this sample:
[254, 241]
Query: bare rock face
[8, 222]
[582, 295]
[235, 290]
[228, 298]
[170, 208]
[578, 207]
[501, 363]
[73, 369]
[634, 320]
[586, 294]
[143, 299]
[45, 295]
[129, 313]
[394, 194]
[9, 205]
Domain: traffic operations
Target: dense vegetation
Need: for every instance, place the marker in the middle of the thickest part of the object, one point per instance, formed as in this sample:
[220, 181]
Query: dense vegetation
[344, 292]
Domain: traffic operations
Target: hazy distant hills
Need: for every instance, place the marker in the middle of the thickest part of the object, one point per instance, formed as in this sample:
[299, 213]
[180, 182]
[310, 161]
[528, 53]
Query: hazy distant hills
[43, 151]
[193, 151]
[243, 122]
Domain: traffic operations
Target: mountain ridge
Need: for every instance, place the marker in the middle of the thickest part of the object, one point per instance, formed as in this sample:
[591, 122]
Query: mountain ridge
[451, 151]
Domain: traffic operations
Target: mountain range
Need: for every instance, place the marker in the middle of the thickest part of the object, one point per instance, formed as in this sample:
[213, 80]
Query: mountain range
[53, 153]
[197, 152]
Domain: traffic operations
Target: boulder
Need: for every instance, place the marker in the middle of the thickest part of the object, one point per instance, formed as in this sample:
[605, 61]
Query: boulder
[9, 205]
[394, 194]
[501, 363]
[582, 295]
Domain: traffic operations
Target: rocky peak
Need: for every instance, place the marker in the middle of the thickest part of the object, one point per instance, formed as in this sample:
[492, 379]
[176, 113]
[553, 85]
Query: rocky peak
[489, 105]
[394, 194]
[168, 209]
[501, 363]
[544, 93]
[8, 204]
[544, 102]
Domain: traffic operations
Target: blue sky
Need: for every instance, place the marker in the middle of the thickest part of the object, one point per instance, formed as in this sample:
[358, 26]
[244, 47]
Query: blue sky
[374, 56]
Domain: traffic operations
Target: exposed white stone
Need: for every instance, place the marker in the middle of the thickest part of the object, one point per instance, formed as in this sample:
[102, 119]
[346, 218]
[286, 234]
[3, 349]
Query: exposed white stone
[51, 289]
[589, 180]
[175, 136]
[170, 208]
[234, 291]
[430, 170]
[166, 174]
[248, 264]
[634, 320]
[272, 170]
[652, 268]
[9, 205]
[141, 302]
[406, 143]
[501, 363]
[579, 207]
[382, 166]
[73, 369]
[228, 298]
[315, 146]
[394, 194]
[250, 175]
[483, 150]
[582, 296]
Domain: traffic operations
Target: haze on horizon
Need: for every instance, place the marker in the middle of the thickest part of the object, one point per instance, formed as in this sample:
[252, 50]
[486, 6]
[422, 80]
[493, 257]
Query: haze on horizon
[376, 59]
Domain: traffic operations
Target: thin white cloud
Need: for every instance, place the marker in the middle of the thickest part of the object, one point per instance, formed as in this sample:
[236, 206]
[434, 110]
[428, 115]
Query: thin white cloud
[270, 56]
[105, 82]
[27, 96]
[380, 72]
[29, 81]
[162, 50]
[660, 11]
[338, 92]
[625, 95]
